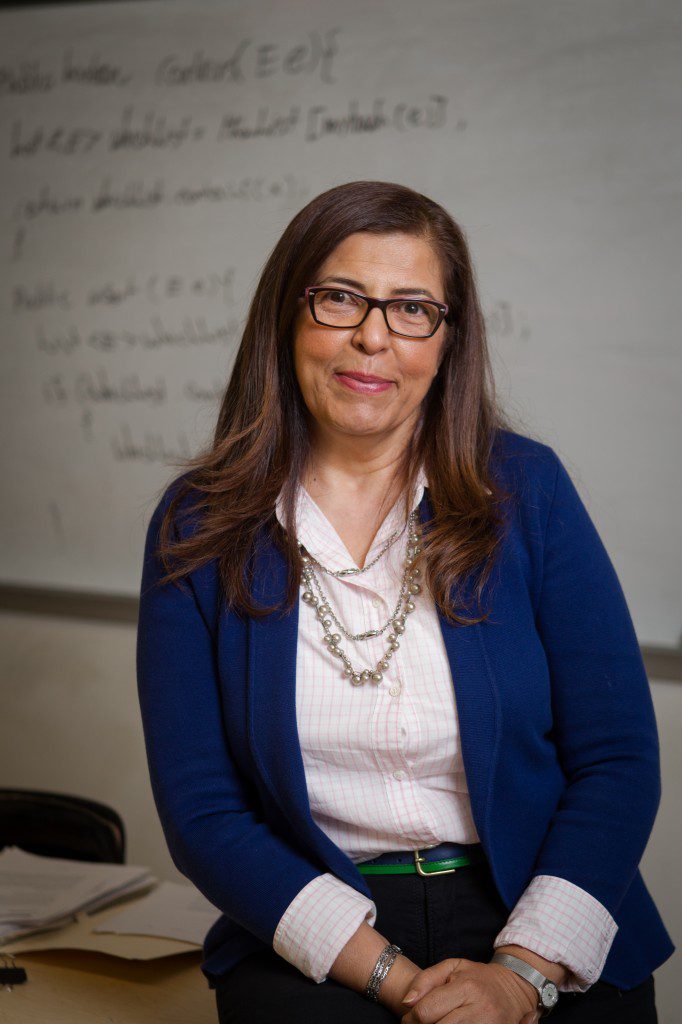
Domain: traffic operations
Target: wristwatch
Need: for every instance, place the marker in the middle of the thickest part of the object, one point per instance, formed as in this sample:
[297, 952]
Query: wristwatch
[547, 990]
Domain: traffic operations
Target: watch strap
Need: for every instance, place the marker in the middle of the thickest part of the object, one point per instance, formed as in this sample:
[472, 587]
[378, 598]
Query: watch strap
[538, 980]
[521, 967]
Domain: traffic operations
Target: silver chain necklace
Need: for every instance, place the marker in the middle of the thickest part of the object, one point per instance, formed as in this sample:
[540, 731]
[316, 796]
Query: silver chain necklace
[355, 571]
[409, 588]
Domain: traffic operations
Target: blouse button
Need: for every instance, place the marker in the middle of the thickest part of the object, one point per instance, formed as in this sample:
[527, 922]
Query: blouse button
[376, 603]
[399, 775]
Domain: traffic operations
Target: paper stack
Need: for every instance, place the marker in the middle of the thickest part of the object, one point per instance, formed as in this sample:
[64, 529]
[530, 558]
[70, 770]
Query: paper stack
[42, 893]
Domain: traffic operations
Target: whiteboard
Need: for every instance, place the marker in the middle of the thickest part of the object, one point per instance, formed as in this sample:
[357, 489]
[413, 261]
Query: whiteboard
[154, 152]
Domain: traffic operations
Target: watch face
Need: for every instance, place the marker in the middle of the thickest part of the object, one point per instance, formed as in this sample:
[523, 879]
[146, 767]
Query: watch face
[550, 994]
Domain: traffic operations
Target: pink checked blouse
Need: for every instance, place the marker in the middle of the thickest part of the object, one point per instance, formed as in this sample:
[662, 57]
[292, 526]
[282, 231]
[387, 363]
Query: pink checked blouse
[384, 767]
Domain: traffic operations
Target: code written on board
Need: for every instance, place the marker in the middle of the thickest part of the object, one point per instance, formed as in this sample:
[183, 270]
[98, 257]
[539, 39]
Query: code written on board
[151, 155]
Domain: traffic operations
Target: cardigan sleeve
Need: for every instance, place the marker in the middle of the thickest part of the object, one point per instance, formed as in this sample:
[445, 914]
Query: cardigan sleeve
[604, 725]
[214, 830]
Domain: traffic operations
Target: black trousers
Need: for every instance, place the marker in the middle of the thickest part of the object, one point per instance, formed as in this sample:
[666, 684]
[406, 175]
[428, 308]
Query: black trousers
[455, 915]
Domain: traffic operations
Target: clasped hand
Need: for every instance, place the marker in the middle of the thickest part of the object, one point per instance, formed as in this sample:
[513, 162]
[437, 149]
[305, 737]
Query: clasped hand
[458, 991]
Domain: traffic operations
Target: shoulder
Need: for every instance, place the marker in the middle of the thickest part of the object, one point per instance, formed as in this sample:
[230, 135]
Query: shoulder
[528, 472]
[509, 445]
[524, 465]
[547, 510]
[185, 502]
[179, 489]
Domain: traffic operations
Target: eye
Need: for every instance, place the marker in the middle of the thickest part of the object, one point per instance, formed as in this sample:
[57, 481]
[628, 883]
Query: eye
[412, 307]
[337, 299]
[410, 315]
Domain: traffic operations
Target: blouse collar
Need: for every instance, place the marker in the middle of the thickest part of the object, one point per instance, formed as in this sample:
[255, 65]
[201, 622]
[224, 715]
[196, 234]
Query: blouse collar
[317, 534]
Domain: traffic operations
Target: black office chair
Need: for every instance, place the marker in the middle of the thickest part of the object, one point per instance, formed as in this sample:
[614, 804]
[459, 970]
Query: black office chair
[61, 825]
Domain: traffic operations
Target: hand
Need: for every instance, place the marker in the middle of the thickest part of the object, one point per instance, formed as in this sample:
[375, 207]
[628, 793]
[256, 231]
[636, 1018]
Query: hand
[458, 991]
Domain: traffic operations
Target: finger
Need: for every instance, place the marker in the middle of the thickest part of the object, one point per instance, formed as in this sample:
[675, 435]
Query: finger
[433, 1006]
[430, 977]
[461, 1015]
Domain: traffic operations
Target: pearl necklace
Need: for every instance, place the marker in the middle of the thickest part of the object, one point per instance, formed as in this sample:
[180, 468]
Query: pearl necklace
[409, 588]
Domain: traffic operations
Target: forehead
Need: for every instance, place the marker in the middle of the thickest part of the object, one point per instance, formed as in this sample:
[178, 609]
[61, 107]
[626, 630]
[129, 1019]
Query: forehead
[395, 259]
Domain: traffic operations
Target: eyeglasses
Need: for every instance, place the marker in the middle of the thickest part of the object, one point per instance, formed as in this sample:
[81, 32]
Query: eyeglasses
[409, 318]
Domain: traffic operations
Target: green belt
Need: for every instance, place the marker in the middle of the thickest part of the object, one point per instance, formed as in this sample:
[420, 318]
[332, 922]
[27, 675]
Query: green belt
[426, 867]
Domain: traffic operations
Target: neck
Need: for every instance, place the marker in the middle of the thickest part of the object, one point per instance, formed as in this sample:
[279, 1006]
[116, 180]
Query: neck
[368, 466]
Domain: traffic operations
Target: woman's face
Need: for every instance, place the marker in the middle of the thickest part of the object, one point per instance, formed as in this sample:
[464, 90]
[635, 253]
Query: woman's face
[383, 266]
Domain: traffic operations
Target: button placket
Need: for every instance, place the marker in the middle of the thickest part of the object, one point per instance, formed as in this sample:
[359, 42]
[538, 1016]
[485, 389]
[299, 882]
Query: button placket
[374, 617]
[378, 591]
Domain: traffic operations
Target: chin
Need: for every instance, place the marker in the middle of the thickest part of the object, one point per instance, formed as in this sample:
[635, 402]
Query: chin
[366, 425]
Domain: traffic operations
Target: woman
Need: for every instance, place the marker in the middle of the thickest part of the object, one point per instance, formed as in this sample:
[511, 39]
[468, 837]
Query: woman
[397, 722]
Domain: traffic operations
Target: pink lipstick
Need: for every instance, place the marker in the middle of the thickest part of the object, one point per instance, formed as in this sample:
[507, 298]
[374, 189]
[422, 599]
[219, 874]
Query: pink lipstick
[363, 383]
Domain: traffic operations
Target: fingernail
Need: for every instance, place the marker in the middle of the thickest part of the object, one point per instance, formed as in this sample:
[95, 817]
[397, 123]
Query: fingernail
[411, 996]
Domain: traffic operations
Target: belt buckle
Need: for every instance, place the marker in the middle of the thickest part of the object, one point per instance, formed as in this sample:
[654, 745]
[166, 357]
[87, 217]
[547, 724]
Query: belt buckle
[425, 874]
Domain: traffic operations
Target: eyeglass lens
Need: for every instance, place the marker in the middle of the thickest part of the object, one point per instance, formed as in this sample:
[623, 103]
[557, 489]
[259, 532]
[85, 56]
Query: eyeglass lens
[337, 308]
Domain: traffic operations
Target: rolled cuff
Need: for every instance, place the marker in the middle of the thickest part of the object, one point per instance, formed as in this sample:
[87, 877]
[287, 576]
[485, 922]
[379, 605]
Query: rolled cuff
[565, 924]
[318, 923]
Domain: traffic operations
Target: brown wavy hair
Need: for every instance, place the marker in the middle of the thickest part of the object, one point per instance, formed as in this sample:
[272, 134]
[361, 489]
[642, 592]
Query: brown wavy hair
[261, 440]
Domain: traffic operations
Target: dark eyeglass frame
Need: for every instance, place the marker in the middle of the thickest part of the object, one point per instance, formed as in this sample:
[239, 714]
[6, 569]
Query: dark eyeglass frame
[442, 307]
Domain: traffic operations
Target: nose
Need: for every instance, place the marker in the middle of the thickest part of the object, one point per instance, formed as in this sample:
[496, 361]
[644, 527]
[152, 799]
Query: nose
[373, 334]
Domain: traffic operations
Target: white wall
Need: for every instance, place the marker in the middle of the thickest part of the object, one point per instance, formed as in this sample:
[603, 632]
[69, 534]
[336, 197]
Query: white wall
[70, 723]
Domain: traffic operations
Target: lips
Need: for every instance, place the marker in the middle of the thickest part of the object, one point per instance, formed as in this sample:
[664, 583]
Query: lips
[366, 378]
[362, 383]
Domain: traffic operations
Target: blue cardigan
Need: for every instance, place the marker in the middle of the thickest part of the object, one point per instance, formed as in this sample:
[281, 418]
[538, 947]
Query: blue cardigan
[558, 732]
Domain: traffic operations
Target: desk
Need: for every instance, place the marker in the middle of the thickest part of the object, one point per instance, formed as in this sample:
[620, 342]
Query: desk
[81, 987]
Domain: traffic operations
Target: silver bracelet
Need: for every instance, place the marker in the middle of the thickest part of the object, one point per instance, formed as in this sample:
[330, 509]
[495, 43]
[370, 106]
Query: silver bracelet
[381, 969]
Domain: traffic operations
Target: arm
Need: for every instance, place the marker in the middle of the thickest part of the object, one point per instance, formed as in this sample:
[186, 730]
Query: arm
[318, 923]
[214, 833]
[607, 742]
[327, 932]
[604, 722]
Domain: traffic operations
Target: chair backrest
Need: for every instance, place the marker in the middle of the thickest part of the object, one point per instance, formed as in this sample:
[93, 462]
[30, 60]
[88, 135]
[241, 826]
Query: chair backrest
[61, 825]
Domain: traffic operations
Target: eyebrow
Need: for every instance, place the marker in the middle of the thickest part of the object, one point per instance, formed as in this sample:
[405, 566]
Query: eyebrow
[396, 291]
